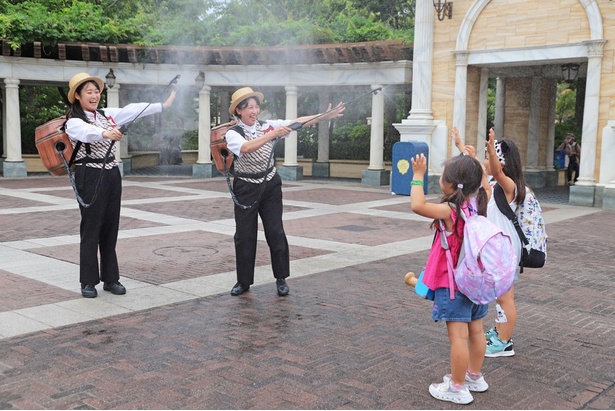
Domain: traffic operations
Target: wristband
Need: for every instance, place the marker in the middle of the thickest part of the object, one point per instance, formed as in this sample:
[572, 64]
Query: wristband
[417, 183]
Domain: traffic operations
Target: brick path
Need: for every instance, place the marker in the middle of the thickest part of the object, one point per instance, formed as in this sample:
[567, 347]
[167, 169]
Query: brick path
[350, 335]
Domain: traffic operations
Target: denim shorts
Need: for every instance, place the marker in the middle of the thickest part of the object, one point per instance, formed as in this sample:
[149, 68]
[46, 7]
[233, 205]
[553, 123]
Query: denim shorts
[461, 309]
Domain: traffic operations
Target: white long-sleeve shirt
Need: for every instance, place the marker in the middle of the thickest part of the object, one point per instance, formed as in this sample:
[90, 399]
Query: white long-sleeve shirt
[79, 130]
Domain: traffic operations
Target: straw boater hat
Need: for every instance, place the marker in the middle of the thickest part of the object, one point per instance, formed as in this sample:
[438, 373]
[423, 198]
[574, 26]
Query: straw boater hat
[242, 94]
[80, 78]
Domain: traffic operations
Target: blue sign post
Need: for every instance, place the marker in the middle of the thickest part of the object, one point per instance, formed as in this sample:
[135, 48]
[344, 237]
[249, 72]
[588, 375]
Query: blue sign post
[403, 152]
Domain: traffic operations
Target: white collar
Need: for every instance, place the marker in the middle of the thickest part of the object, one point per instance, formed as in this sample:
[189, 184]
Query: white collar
[252, 128]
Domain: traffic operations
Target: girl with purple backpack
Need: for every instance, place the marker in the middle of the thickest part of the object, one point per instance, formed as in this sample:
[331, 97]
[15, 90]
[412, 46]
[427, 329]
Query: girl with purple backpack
[465, 189]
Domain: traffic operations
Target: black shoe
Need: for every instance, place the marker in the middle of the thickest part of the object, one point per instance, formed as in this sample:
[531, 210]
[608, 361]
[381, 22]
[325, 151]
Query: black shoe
[282, 287]
[116, 288]
[239, 289]
[88, 291]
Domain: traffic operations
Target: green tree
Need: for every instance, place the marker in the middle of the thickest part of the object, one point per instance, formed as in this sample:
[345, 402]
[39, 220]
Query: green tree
[56, 21]
[565, 110]
[205, 22]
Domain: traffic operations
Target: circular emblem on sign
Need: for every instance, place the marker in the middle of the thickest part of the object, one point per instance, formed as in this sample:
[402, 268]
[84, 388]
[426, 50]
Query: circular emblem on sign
[403, 166]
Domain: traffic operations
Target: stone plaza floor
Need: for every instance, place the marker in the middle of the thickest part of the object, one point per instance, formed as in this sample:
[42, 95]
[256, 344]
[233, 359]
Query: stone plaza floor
[351, 334]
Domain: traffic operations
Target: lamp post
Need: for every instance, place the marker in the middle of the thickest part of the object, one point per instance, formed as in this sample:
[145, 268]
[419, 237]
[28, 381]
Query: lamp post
[443, 8]
[570, 71]
[110, 77]
[200, 80]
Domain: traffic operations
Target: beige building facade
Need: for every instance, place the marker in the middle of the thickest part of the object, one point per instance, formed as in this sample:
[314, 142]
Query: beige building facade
[522, 46]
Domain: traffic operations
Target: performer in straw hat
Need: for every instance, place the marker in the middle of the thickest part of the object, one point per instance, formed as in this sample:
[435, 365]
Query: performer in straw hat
[96, 129]
[252, 143]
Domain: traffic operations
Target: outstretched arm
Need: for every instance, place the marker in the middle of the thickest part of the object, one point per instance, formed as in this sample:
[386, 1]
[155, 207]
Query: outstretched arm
[456, 136]
[418, 202]
[465, 149]
[327, 115]
[497, 169]
[254, 144]
[169, 101]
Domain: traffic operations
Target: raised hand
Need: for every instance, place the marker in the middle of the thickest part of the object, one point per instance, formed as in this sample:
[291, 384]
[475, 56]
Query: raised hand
[419, 166]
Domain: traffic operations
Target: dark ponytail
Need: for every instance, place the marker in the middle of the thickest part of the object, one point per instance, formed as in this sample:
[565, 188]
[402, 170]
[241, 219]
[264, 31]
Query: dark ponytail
[464, 173]
[513, 168]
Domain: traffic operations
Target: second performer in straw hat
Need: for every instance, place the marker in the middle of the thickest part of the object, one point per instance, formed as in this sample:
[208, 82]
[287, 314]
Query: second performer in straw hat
[252, 143]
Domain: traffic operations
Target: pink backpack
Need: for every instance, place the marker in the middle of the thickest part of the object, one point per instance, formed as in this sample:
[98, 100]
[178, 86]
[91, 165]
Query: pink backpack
[487, 262]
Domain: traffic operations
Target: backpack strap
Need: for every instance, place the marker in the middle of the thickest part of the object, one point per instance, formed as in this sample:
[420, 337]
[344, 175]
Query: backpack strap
[500, 200]
[449, 256]
[449, 260]
[445, 246]
[88, 150]
[74, 155]
[238, 129]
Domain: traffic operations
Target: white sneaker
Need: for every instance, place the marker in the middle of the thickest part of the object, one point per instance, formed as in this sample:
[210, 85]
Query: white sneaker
[443, 391]
[476, 385]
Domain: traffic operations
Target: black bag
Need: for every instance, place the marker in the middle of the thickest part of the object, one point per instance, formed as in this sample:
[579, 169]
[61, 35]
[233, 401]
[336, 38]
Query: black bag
[531, 259]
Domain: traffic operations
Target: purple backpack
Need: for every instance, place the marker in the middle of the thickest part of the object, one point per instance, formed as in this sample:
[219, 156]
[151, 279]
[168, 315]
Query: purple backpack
[487, 262]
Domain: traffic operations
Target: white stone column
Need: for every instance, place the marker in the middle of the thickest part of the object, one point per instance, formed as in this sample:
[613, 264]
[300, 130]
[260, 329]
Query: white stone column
[290, 142]
[587, 164]
[13, 120]
[607, 165]
[550, 150]
[376, 149]
[204, 131]
[13, 165]
[482, 113]
[531, 159]
[376, 174]
[420, 126]
[500, 103]
[461, 91]
[4, 133]
[204, 168]
[322, 167]
[422, 61]
[113, 100]
[323, 130]
[583, 193]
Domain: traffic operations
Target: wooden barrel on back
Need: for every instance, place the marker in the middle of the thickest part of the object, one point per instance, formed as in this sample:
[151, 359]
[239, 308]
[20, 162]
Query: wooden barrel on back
[49, 136]
[221, 155]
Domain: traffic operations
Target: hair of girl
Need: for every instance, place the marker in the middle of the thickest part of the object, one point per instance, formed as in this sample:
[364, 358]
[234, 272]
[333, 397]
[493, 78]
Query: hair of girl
[464, 174]
[513, 168]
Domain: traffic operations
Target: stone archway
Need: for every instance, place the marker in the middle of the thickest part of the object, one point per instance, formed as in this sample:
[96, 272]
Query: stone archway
[589, 50]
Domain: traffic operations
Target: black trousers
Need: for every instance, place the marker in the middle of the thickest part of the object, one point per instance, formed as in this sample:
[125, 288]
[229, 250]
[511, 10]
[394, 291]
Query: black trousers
[573, 165]
[246, 228]
[99, 224]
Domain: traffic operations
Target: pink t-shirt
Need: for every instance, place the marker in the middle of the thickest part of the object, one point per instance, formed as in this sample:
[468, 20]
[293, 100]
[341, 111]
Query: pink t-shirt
[436, 270]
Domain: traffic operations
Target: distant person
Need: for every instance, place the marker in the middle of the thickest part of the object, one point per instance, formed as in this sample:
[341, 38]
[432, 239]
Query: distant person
[96, 129]
[573, 152]
[464, 187]
[255, 175]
